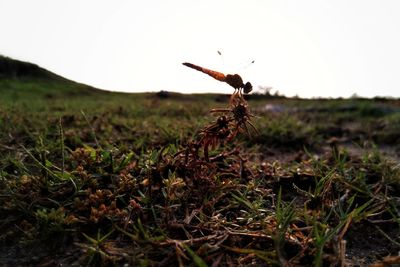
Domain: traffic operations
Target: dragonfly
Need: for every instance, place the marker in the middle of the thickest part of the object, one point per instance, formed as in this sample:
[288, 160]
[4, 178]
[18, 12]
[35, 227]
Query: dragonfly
[233, 80]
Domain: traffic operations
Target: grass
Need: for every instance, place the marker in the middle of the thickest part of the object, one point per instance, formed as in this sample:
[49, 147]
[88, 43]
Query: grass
[97, 178]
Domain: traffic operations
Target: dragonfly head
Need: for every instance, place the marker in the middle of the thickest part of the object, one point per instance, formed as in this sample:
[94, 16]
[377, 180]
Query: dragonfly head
[247, 88]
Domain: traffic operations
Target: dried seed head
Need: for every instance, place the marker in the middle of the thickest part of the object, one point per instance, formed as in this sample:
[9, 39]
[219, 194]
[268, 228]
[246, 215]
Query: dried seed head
[222, 122]
[240, 112]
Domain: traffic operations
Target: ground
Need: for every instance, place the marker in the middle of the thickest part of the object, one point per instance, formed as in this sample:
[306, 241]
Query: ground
[99, 178]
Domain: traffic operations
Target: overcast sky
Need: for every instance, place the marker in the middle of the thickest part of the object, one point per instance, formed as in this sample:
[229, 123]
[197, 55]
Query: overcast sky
[309, 48]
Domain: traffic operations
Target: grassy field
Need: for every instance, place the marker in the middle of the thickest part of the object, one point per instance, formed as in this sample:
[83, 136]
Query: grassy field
[96, 178]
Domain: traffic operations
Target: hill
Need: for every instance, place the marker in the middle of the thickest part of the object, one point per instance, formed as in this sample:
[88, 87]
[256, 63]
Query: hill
[16, 69]
[24, 80]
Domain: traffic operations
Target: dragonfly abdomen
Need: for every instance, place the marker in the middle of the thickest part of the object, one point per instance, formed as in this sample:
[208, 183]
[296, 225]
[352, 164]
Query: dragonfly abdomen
[215, 74]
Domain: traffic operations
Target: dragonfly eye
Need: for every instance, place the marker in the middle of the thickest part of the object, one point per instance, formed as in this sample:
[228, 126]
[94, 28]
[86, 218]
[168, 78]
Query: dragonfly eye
[247, 88]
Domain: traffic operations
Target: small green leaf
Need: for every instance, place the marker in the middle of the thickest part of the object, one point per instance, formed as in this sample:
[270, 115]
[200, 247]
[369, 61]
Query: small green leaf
[197, 260]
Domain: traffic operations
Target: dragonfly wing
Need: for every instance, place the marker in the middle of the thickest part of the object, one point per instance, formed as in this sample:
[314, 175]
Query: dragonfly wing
[215, 74]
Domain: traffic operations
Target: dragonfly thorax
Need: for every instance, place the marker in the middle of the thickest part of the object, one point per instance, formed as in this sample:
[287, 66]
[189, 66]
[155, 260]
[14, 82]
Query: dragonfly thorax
[234, 80]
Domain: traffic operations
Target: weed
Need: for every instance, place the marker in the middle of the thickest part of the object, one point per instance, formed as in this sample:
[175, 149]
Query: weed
[284, 216]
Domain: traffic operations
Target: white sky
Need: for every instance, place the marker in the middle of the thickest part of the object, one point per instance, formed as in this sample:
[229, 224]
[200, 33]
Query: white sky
[310, 47]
